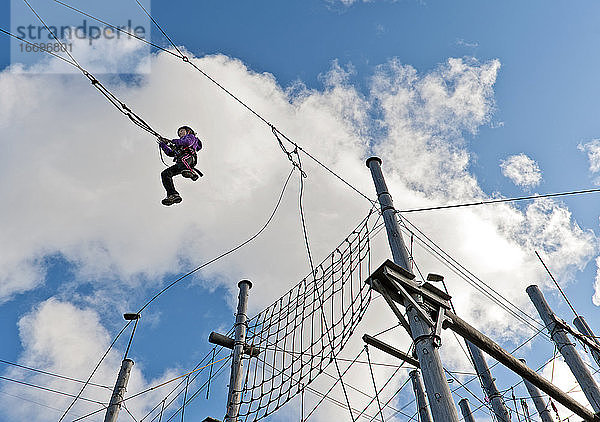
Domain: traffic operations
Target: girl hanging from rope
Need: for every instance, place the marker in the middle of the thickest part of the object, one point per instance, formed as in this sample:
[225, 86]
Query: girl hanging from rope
[183, 151]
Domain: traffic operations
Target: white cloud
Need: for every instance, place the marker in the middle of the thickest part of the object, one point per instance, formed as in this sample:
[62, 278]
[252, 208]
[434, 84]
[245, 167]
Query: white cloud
[89, 191]
[592, 149]
[521, 170]
[61, 338]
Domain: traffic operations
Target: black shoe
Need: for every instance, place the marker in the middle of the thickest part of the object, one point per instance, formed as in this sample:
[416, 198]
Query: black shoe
[189, 174]
[172, 199]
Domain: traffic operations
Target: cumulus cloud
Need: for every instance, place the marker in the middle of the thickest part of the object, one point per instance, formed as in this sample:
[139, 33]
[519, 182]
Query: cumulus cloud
[89, 192]
[66, 348]
[521, 170]
[592, 149]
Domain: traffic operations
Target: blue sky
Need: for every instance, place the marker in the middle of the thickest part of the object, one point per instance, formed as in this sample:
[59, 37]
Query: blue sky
[343, 80]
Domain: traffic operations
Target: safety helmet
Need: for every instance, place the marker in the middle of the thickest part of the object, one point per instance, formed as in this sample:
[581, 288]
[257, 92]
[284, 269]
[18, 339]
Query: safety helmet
[188, 129]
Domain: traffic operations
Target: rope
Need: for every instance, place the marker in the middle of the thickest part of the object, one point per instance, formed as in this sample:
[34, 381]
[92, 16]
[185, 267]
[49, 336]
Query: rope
[75, 62]
[556, 283]
[187, 275]
[131, 338]
[312, 267]
[113, 99]
[187, 374]
[93, 372]
[50, 390]
[497, 201]
[51, 374]
[374, 385]
[228, 252]
[10, 34]
[186, 59]
[476, 282]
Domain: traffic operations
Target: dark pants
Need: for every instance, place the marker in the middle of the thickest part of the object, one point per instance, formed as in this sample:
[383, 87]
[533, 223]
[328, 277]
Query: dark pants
[185, 163]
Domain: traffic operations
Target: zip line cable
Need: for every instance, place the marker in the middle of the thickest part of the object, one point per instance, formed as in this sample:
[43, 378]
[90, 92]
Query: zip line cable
[186, 59]
[10, 34]
[251, 110]
[556, 283]
[51, 390]
[113, 99]
[374, 385]
[496, 201]
[31, 401]
[52, 374]
[275, 130]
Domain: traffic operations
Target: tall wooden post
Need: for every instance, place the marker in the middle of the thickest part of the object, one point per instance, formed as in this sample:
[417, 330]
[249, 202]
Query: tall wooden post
[426, 344]
[112, 412]
[566, 348]
[465, 409]
[538, 401]
[417, 383]
[236, 378]
[488, 383]
[585, 329]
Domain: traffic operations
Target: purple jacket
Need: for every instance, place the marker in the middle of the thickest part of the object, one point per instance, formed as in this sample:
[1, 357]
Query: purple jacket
[188, 140]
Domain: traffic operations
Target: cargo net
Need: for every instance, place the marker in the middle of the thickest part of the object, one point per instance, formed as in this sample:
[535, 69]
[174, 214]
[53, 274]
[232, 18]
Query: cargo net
[300, 334]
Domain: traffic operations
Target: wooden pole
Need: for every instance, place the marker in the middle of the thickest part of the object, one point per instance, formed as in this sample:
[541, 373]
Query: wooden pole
[487, 345]
[538, 401]
[236, 378]
[426, 343]
[112, 412]
[566, 348]
[465, 409]
[489, 386]
[585, 329]
[417, 383]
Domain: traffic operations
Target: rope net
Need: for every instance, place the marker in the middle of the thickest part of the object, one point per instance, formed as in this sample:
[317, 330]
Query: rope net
[300, 334]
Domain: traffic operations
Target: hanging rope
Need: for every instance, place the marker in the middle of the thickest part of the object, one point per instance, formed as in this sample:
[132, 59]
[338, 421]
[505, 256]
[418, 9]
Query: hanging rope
[374, 385]
[556, 284]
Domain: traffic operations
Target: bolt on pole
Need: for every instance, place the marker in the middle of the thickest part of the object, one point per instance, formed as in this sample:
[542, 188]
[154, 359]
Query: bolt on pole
[426, 345]
[112, 412]
[566, 348]
[236, 378]
[488, 383]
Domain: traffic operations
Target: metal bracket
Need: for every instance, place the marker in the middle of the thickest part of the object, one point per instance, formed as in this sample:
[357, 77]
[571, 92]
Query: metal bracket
[406, 296]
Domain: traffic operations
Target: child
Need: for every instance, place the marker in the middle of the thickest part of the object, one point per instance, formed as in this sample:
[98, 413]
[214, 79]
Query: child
[183, 151]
